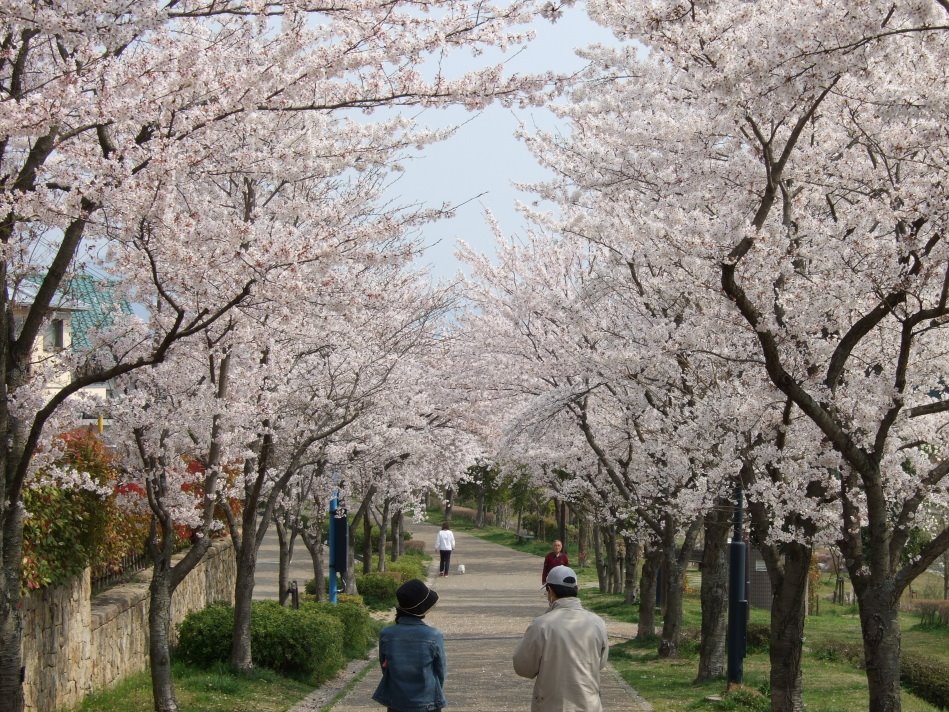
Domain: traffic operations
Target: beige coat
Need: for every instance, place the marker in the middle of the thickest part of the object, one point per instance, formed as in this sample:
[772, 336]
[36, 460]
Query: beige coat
[564, 651]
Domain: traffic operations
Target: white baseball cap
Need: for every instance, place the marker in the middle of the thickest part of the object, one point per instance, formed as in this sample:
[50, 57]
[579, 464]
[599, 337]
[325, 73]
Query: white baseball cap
[561, 576]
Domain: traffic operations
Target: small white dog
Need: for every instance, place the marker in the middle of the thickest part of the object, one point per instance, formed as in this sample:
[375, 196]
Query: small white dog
[461, 568]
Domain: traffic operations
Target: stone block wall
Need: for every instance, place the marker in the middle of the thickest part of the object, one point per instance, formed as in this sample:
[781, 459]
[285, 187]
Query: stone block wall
[57, 645]
[74, 644]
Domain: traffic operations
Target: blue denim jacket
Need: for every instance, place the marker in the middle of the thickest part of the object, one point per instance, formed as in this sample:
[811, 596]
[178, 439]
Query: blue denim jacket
[412, 656]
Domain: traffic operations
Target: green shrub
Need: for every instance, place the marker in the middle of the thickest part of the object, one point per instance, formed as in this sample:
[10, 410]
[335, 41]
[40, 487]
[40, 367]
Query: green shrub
[305, 642]
[359, 538]
[835, 650]
[530, 522]
[70, 528]
[416, 547]
[744, 699]
[409, 566]
[927, 678]
[758, 638]
[377, 590]
[204, 637]
[469, 514]
[296, 642]
[690, 641]
[358, 635]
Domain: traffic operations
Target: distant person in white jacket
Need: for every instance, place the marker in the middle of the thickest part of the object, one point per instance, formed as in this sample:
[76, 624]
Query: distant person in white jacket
[445, 543]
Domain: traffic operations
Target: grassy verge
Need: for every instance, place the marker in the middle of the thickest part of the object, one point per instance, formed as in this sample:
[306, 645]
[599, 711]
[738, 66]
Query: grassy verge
[215, 690]
[829, 685]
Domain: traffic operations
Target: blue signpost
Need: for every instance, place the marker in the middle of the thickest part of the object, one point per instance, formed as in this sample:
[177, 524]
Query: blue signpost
[332, 541]
[338, 543]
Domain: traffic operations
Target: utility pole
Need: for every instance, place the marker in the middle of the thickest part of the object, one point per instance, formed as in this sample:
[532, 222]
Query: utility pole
[737, 602]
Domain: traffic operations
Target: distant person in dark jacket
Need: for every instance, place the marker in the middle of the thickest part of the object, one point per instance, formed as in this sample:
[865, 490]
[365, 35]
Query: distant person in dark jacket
[412, 655]
[557, 557]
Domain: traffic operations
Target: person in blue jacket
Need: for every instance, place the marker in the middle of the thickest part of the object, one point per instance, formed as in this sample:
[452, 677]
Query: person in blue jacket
[412, 655]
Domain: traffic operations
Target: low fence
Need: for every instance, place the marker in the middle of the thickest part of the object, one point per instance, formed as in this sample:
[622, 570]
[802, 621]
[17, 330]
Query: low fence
[75, 643]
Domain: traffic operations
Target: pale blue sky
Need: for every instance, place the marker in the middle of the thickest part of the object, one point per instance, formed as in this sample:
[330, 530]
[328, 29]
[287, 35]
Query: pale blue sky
[484, 156]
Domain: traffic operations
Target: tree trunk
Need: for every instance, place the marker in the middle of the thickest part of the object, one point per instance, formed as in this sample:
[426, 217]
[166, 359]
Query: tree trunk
[11, 615]
[315, 547]
[945, 576]
[583, 532]
[880, 625]
[349, 578]
[613, 562]
[675, 563]
[285, 545]
[647, 593]
[631, 579]
[448, 502]
[383, 535]
[788, 598]
[600, 562]
[395, 534]
[165, 579]
[159, 639]
[714, 593]
[241, 655]
[562, 522]
[366, 542]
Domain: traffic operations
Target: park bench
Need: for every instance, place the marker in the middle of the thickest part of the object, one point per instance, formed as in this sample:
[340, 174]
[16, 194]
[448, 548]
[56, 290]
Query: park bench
[523, 537]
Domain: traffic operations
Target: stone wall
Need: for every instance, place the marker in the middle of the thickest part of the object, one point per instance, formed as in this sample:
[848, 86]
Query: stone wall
[74, 644]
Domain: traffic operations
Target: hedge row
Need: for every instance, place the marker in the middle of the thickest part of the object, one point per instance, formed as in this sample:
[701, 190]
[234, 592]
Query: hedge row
[933, 612]
[312, 642]
[926, 678]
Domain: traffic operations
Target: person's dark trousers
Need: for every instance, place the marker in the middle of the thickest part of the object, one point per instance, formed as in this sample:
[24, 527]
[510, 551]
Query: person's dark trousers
[444, 561]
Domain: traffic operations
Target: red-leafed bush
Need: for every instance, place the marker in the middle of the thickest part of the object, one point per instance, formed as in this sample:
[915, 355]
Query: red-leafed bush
[68, 529]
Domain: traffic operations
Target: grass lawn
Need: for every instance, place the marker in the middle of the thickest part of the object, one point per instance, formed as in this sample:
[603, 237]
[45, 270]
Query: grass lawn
[829, 686]
[215, 690]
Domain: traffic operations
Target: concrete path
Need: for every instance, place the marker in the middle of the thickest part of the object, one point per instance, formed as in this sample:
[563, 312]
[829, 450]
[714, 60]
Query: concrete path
[267, 574]
[483, 614]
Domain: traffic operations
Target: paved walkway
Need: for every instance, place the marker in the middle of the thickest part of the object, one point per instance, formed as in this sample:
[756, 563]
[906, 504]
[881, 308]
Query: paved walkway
[267, 573]
[483, 614]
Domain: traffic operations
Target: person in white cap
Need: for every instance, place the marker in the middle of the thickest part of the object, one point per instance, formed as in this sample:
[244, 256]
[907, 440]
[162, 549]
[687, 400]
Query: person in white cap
[563, 650]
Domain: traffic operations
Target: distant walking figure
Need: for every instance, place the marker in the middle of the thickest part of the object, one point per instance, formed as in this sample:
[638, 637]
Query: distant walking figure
[412, 655]
[445, 543]
[557, 557]
[564, 650]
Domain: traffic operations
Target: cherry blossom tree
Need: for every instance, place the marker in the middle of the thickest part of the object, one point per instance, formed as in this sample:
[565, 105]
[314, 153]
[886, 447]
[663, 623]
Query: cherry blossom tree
[310, 374]
[785, 162]
[585, 341]
[115, 120]
[172, 431]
